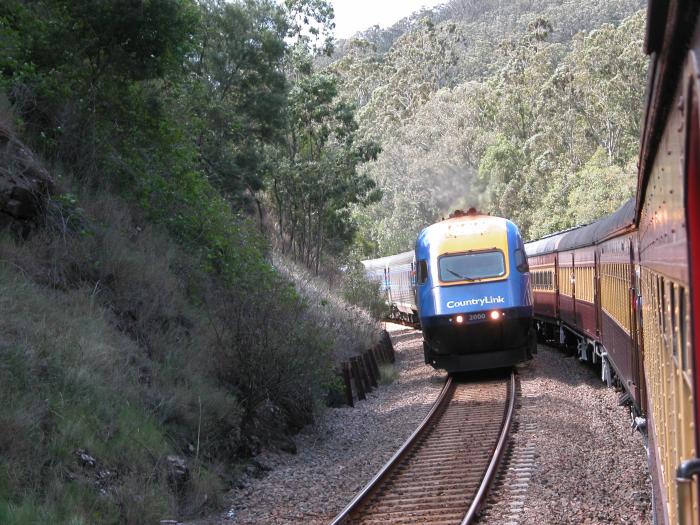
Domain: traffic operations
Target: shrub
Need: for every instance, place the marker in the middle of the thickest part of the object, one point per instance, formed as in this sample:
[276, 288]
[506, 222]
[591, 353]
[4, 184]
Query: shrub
[360, 291]
[351, 329]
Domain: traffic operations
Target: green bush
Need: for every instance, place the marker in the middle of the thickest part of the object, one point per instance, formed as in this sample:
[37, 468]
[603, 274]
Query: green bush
[360, 291]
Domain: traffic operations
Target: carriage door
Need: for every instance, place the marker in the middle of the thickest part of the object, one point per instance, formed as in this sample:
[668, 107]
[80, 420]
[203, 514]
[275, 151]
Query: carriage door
[557, 311]
[387, 284]
[634, 316]
[636, 327]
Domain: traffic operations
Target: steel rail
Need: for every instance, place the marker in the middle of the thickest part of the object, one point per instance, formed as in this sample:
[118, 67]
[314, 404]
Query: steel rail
[406, 447]
[495, 460]
[485, 478]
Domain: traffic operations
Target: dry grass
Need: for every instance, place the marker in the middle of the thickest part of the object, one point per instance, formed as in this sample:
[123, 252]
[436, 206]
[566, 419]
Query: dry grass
[352, 329]
[69, 381]
[388, 373]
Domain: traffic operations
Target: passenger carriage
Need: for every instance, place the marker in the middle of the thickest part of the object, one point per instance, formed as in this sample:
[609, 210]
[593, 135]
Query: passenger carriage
[397, 278]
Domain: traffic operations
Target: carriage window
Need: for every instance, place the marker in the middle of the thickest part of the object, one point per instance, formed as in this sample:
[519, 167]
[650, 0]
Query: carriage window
[683, 329]
[471, 266]
[673, 324]
[520, 258]
[422, 272]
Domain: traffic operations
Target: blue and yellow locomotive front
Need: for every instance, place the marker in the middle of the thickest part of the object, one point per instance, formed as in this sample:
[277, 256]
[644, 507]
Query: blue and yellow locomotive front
[473, 294]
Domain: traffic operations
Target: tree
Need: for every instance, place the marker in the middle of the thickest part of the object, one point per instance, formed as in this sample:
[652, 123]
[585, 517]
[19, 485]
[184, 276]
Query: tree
[514, 139]
[315, 179]
[82, 77]
[237, 92]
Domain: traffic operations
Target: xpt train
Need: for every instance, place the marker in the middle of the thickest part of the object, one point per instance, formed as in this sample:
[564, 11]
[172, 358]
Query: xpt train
[468, 285]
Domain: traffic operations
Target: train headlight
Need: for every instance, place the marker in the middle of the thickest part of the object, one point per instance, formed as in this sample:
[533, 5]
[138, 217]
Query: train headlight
[459, 319]
[495, 315]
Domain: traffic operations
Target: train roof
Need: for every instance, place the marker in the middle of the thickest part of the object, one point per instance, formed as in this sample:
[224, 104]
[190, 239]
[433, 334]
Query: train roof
[391, 260]
[464, 225]
[617, 221]
[546, 244]
[586, 235]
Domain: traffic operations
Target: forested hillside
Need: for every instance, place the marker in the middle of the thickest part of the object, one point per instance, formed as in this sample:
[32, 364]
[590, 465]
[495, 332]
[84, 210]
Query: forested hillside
[529, 110]
[153, 155]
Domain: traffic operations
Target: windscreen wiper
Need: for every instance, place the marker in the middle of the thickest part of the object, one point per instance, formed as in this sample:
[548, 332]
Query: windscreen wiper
[463, 277]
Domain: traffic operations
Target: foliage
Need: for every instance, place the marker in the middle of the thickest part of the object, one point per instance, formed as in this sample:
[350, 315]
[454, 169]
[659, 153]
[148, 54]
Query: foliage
[518, 137]
[360, 291]
[210, 370]
[236, 92]
[314, 178]
[148, 312]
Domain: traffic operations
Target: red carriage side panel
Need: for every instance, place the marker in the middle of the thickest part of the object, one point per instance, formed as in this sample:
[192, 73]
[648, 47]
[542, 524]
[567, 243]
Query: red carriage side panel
[693, 220]
[567, 306]
[692, 207]
[584, 291]
[616, 307]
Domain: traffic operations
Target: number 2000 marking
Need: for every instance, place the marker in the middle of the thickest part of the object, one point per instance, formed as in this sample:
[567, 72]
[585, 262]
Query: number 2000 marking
[476, 317]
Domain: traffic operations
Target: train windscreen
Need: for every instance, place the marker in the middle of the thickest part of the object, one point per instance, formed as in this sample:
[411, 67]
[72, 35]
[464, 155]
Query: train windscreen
[472, 266]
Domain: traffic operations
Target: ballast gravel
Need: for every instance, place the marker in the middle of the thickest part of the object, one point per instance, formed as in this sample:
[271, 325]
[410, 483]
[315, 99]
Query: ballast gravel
[574, 458]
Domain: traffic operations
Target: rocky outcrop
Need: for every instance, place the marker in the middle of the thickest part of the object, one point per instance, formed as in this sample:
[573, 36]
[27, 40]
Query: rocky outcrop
[24, 184]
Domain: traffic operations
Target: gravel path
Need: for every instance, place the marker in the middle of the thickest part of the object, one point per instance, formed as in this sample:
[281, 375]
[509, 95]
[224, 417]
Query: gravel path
[575, 458]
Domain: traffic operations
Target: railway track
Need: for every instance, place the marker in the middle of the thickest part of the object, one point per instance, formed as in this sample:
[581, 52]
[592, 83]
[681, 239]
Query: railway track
[442, 472]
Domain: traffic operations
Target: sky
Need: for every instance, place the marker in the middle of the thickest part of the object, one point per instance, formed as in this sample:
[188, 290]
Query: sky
[356, 15]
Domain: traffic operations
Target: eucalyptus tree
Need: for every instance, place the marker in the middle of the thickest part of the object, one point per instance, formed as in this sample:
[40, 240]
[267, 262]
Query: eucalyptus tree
[237, 91]
[315, 178]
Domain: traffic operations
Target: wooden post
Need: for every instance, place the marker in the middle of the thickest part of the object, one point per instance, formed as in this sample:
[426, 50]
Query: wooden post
[359, 382]
[370, 370]
[373, 361]
[381, 356]
[363, 373]
[386, 340]
[378, 354]
[345, 369]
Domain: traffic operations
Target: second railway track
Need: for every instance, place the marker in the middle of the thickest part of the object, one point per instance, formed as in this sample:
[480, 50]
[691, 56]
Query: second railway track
[443, 471]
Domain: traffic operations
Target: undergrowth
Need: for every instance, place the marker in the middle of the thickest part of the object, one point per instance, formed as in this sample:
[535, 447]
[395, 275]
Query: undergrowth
[120, 346]
[388, 373]
[352, 327]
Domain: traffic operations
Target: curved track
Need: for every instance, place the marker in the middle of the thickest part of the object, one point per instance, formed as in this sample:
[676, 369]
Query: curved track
[442, 473]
